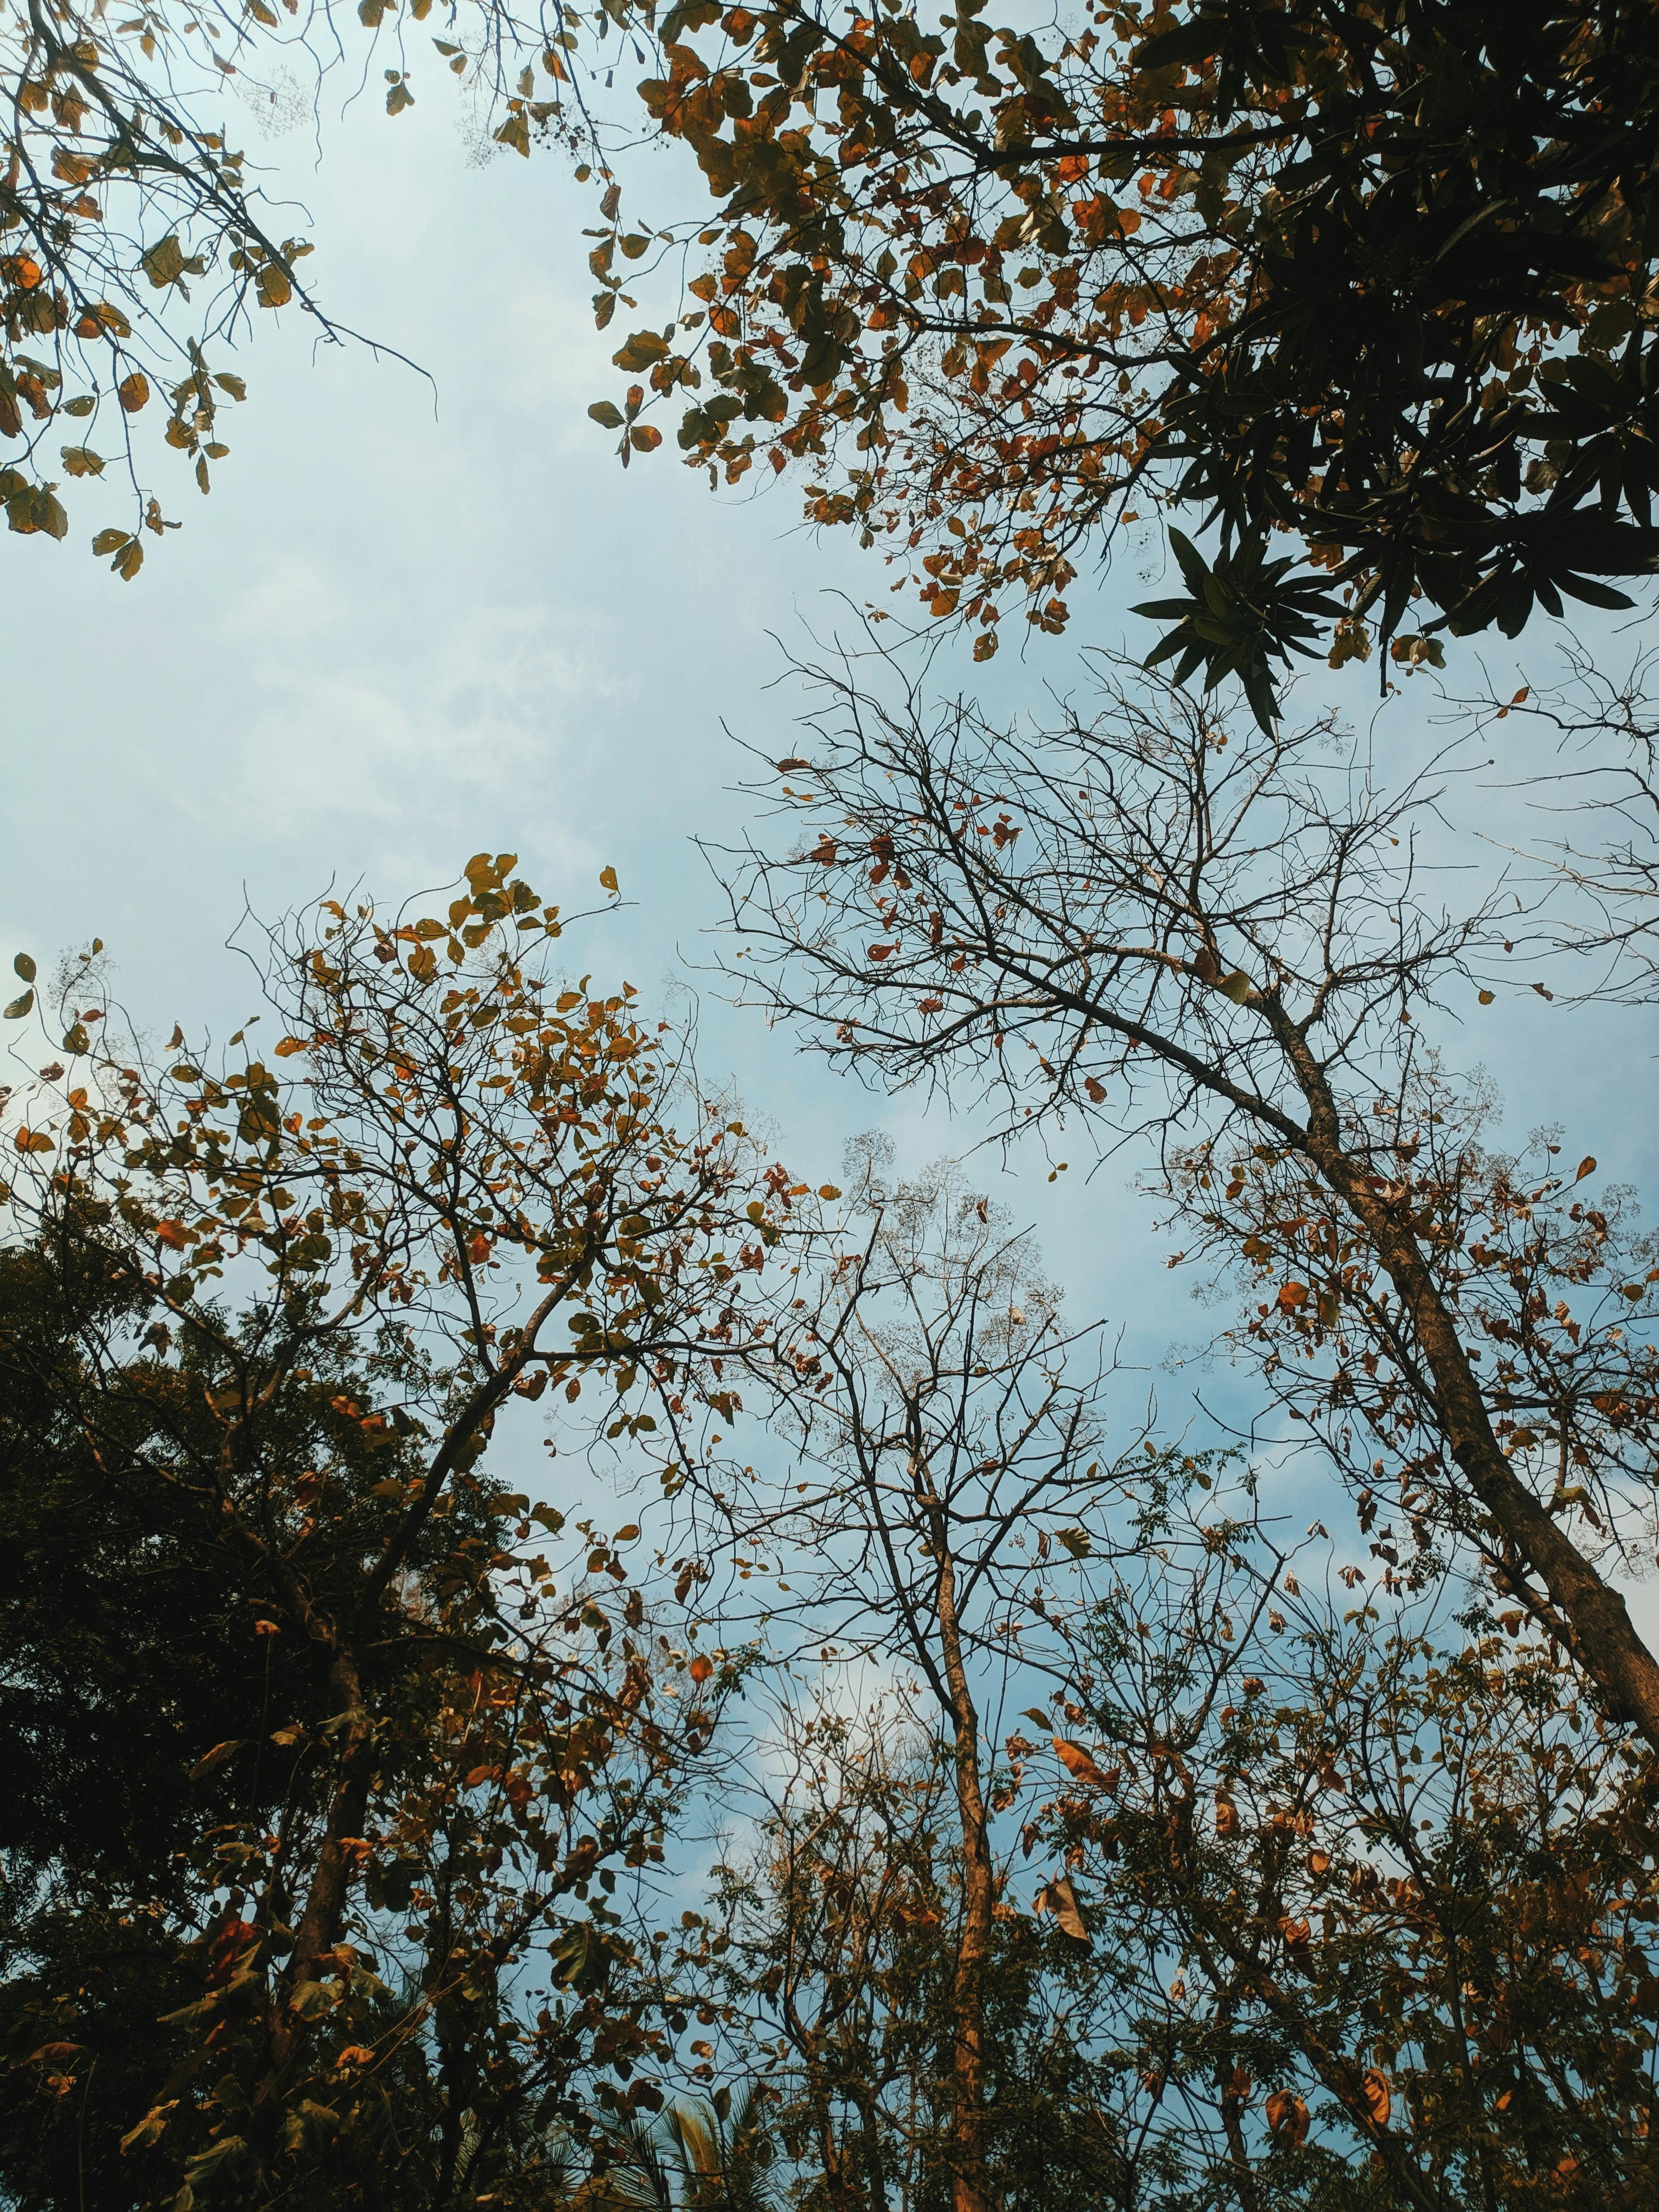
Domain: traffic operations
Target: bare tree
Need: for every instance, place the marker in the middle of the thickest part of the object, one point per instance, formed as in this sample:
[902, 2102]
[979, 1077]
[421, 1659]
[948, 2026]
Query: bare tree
[1598, 855]
[952, 1470]
[1146, 921]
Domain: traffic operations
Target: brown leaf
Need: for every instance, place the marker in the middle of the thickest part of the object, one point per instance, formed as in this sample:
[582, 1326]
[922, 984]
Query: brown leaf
[216, 1757]
[1077, 1761]
[1058, 1898]
[1287, 2117]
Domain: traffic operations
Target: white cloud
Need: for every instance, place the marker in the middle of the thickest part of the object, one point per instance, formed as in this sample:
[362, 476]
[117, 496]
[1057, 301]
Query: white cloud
[486, 708]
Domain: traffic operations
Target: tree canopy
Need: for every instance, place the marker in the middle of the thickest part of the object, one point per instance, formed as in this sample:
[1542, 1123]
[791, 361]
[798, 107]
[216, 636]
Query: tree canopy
[1375, 280]
[1372, 286]
[313, 1752]
[549, 1660]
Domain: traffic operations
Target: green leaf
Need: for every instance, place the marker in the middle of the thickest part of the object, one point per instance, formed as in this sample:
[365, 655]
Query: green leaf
[19, 1007]
[1188, 42]
[1236, 987]
[608, 417]
[23, 967]
[1593, 594]
[207, 2161]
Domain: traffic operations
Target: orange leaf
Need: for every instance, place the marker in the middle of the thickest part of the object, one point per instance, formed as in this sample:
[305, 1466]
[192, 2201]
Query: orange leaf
[1287, 2117]
[1077, 1761]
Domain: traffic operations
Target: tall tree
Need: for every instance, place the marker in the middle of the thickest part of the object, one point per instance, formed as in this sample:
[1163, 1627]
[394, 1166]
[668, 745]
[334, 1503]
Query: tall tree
[1144, 922]
[262, 1327]
[1338, 1891]
[1394, 1882]
[952, 1448]
[838, 1985]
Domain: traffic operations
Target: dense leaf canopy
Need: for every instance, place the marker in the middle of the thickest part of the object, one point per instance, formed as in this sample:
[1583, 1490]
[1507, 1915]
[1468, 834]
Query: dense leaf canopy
[1375, 282]
[1377, 278]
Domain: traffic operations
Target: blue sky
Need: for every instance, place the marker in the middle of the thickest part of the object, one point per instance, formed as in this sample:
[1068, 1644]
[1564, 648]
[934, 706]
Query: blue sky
[405, 628]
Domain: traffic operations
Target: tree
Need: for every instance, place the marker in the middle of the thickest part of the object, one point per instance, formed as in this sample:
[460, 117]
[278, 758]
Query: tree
[1141, 921]
[261, 1328]
[1352, 1899]
[1392, 1882]
[1378, 280]
[702, 2155]
[169, 1726]
[838, 1984]
[835, 1926]
[951, 1449]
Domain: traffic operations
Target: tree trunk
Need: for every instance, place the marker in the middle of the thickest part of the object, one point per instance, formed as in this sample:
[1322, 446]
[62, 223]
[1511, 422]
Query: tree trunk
[320, 1922]
[1604, 1638]
[970, 2191]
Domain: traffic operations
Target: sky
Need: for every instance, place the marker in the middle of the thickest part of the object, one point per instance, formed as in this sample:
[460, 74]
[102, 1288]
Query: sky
[422, 615]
